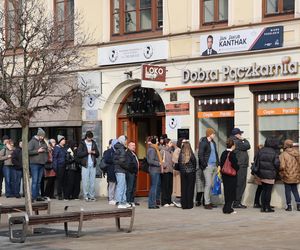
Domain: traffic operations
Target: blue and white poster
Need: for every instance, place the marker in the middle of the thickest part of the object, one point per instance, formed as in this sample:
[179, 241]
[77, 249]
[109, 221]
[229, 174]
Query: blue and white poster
[241, 40]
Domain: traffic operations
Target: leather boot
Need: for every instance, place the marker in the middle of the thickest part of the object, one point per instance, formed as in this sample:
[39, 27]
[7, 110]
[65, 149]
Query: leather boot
[198, 199]
[298, 207]
[288, 208]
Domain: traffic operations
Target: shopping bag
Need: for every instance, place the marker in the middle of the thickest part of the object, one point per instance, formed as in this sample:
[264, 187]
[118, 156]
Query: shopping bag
[216, 189]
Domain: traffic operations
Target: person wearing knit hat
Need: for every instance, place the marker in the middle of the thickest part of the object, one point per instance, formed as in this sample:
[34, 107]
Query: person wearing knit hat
[242, 146]
[208, 162]
[59, 165]
[60, 138]
[87, 154]
[41, 133]
[290, 173]
[123, 139]
[38, 156]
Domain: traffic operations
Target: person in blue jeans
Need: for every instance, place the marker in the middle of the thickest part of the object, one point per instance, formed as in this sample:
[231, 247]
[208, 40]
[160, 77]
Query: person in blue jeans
[38, 156]
[154, 160]
[5, 155]
[87, 154]
[121, 168]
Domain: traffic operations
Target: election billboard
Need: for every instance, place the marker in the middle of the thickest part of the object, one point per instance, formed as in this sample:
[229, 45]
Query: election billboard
[241, 40]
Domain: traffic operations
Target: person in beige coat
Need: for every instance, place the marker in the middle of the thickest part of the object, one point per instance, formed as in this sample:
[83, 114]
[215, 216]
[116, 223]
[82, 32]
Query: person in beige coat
[176, 174]
[290, 173]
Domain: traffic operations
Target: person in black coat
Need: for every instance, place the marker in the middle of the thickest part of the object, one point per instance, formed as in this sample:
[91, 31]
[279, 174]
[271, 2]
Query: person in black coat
[16, 159]
[268, 167]
[229, 182]
[131, 174]
[187, 167]
[108, 156]
[73, 172]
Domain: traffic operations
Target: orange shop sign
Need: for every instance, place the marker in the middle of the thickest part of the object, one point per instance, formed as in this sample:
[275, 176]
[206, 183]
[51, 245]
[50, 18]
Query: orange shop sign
[216, 114]
[278, 111]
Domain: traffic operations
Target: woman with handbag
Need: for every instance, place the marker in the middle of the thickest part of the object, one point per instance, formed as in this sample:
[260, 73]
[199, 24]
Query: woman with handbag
[229, 168]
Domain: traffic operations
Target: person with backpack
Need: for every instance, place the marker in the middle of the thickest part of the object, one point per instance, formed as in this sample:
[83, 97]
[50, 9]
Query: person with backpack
[6, 155]
[5, 138]
[109, 169]
[229, 181]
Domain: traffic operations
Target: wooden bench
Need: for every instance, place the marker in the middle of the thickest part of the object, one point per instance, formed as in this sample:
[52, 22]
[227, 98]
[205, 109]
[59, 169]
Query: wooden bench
[36, 207]
[66, 217]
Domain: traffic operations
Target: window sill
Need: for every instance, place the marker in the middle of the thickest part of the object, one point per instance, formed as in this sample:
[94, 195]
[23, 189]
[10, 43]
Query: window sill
[213, 25]
[278, 17]
[134, 35]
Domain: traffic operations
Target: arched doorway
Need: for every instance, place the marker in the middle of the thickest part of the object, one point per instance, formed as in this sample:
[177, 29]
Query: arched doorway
[141, 114]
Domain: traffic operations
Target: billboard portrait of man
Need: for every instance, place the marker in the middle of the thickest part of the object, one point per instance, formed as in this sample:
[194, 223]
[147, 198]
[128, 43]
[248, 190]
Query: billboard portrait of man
[209, 51]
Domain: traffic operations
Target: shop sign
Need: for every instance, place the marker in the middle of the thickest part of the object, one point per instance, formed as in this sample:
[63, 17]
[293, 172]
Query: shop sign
[178, 109]
[216, 114]
[134, 52]
[240, 73]
[277, 111]
[153, 73]
[241, 40]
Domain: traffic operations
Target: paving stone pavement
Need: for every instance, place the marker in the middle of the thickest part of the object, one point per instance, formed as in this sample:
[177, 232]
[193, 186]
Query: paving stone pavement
[168, 228]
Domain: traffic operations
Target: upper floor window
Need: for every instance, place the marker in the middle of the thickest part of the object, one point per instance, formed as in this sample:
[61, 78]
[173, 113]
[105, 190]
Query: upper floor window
[132, 16]
[278, 7]
[12, 23]
[214, 12]
[64, 19]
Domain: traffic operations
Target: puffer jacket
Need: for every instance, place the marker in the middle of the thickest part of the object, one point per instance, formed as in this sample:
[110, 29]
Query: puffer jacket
[290, 166]
[166, 155]
[120, 159]
[188, 167]
[268, 160]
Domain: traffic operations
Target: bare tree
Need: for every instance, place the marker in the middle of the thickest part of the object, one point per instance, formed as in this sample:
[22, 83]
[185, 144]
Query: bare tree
[38, 58]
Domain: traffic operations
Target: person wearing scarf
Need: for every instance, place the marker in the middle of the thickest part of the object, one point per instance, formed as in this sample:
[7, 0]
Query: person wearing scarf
[154, 160]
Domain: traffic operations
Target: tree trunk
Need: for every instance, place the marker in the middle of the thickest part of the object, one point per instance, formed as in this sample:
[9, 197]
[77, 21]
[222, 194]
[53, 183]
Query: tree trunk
[26, 177]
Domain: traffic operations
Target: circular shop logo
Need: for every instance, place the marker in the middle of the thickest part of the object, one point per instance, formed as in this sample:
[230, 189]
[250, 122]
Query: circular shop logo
[173, 123]
[148, 52]
[113, 55]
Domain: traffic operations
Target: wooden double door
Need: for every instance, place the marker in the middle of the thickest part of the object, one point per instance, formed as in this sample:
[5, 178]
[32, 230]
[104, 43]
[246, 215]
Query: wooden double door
[137, 129]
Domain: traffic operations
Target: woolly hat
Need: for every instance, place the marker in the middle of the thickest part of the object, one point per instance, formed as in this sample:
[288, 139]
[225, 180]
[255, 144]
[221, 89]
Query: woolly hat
[60, 138]
[209, 132]
[288, 143]
[122, 139]
[41, 132]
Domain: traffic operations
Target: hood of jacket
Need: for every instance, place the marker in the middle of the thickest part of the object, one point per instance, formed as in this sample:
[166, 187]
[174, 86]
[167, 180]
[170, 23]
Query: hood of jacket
[272, 143]
[118, 145]
[293, 152]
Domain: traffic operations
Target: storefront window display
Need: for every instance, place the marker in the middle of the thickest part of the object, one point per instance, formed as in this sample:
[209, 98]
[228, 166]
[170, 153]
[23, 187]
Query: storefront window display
[278, 115]
[216, 113]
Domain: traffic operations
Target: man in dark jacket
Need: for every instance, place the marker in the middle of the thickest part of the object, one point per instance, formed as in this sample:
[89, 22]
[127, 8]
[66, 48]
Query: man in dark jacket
[16, 159]
[121, 167]
[241, 147]
[87, 154]
[59, 166]
[38, 156]
[208, 162]
[131, 174]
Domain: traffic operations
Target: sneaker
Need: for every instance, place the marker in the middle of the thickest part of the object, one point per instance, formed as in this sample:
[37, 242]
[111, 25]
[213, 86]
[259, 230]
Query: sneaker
[166, 205]
[171, 205]
[122, 206]
[127, 205]
[112, 202]
[177, 204]
[132, 204]
[87, 199]
[93, 199]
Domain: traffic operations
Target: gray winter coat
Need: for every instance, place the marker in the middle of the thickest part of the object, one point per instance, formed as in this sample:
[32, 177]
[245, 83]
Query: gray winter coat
[34, 156]
[241, 148]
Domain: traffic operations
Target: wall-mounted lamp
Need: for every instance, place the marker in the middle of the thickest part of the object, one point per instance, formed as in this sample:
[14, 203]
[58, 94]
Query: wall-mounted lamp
[128, 75]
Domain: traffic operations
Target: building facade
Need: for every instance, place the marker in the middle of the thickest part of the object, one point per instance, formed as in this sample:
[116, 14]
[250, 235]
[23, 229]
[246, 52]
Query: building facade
[226, 63]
